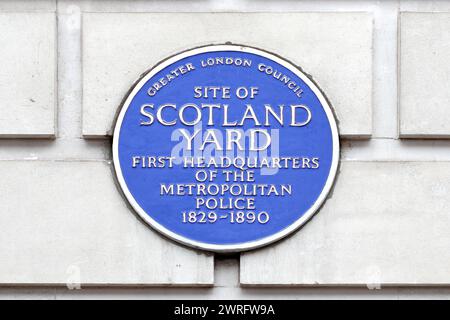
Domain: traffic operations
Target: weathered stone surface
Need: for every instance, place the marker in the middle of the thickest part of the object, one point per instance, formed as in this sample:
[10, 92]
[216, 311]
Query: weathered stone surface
[425, 75]
[336, 49]
[66, 223]
[27, 74]
[386, 224]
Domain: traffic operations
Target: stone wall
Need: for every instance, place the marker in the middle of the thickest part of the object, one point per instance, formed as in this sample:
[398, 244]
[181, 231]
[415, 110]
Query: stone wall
[66, 65]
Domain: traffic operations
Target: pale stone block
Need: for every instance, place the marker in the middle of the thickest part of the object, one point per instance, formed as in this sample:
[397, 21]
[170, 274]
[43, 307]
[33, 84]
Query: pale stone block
[335, 48]
[66, 223]
[425, 75]
[386, 223]
[27, 5]
[27, 74]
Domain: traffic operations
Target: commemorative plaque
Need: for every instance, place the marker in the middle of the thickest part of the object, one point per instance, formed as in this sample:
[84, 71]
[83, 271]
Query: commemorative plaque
[226, 148]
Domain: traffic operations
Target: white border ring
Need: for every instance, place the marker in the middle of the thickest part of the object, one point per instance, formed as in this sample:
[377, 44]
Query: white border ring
[246, 245]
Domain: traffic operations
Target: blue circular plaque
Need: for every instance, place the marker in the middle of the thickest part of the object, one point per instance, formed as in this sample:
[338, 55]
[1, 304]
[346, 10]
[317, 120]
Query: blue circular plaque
[226, 148]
